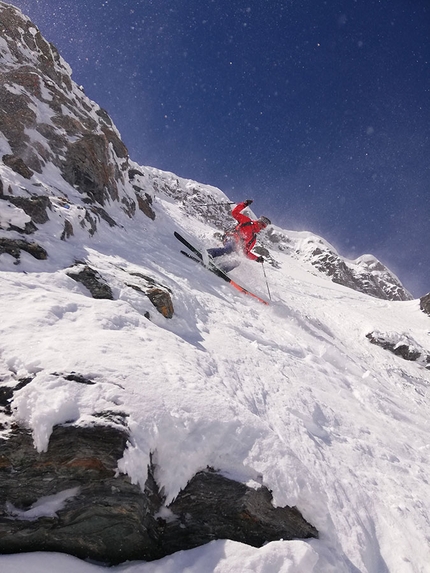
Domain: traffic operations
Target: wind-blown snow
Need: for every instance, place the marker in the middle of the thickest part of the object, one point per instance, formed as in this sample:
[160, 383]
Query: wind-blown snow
[291, 395]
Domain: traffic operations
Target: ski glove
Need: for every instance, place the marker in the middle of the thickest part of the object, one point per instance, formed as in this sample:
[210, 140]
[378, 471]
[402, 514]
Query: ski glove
[248, 202]
[259, 260]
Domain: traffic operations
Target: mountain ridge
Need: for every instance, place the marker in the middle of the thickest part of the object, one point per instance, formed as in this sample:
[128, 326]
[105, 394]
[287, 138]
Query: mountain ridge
[49, 124]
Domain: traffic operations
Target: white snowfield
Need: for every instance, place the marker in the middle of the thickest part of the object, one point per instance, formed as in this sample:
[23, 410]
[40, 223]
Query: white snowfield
[290, 395]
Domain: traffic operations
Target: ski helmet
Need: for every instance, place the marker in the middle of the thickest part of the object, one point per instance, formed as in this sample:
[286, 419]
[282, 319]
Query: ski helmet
[264, 221]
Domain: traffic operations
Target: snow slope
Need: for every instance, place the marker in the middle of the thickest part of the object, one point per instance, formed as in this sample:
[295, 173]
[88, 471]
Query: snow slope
[291, 395]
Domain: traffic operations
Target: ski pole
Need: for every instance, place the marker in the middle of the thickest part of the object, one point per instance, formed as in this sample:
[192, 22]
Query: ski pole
[216, 204]
[267, 282]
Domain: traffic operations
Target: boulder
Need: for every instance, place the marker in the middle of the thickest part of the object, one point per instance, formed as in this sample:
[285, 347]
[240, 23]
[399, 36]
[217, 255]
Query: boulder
[92, 280]
[72, 499]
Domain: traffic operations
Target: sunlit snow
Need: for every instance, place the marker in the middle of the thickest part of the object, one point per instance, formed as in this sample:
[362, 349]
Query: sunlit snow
[291, 395]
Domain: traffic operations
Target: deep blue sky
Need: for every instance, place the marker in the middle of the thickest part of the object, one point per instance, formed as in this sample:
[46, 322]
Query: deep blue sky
[318, 110]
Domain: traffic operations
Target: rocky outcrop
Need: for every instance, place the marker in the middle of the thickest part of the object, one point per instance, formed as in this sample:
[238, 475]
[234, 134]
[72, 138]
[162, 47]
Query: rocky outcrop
[49, 126]
[144, 202]
[31, 68]
[88, 167]
[401, 345]
[162, 301]
[17, 165]
[98, 515]
[71, 499]
[159, 295]
[92, 280]
[366, 274]
[425, 303]
[215, 507]
[14, 247]
[80, 138]
[35, 207]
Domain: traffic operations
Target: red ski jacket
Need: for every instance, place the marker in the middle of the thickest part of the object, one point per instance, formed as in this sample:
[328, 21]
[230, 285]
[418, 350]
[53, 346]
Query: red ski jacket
[245, 232]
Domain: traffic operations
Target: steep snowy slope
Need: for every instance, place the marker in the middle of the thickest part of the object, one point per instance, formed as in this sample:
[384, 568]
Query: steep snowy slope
[292, 395]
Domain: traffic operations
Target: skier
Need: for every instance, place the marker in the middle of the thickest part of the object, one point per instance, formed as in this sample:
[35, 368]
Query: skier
[243, 237]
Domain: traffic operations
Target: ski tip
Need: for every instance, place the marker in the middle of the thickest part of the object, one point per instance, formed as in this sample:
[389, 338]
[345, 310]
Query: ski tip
[249, 293]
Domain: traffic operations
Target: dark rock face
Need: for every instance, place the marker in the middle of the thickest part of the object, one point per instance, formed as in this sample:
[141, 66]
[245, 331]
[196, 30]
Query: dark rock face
[92, 281]
[162, 301]
[17, 165]
[425, 303]
[215, 507]
[88, 167]
[104, 517]
[14, 248]
[22, 39]
[35, 207]
[145, 203]
[67, 230]
[81, 139]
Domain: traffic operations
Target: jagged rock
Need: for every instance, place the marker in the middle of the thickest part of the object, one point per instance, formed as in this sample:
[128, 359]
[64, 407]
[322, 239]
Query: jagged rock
[160, 296]
[104, 517]
[35, 207]
[400, 345]
[88, 168]
[425, 303]
[6, 395]
[366, 274]
[104, 116]
[15, 246]
[162, 301]
[118, 145]
[96, 159]
[101, 213]
[18, 165]
[92, 281]
[67, 231]
[215, 507]
[88, 218]
[75, 377]
[129, 207]
[145, 202]
[30, 62]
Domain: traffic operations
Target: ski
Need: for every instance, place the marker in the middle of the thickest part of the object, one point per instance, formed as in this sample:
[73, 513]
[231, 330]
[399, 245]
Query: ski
[188, 245]
[197, 257]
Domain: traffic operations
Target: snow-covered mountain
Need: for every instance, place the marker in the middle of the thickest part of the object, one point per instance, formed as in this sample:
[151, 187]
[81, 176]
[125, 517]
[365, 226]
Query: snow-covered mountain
[316, 403]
